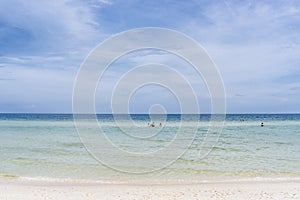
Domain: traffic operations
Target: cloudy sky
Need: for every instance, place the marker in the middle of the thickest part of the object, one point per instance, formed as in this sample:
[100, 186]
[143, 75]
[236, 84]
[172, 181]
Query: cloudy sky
[255, 45]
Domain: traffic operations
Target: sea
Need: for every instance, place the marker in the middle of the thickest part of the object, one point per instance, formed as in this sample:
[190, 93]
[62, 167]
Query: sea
[124, 148]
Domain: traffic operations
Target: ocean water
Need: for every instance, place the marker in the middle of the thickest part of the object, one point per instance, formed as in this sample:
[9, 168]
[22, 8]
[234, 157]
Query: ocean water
[47, 146]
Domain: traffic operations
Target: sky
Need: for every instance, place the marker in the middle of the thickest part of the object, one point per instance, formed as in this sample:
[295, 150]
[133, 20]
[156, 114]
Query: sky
[254, 43]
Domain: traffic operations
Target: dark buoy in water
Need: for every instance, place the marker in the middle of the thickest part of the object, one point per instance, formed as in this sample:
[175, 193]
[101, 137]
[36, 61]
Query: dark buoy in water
[262, 124]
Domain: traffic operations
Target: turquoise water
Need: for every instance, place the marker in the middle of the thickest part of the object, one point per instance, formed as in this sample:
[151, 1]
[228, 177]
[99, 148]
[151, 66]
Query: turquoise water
[48, 146]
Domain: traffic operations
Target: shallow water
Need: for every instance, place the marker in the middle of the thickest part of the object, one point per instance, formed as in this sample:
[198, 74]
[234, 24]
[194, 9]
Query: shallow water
[48, 146]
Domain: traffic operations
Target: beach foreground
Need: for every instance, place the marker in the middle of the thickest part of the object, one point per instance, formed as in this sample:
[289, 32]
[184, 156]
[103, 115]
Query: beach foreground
[31, 190]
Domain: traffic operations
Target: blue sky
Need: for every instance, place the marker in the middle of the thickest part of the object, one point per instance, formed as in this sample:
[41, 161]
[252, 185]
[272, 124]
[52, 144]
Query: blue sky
[255, 45]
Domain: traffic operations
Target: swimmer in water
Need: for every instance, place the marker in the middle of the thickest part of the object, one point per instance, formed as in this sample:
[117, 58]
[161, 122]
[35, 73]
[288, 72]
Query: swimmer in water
[262, 124]
[152, 125]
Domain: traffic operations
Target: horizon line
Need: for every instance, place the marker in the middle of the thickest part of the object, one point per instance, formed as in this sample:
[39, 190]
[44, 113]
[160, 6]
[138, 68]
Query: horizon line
[230, 113]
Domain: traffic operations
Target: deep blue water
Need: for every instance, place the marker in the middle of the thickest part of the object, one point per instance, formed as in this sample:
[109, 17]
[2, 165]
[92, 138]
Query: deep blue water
[229, 117]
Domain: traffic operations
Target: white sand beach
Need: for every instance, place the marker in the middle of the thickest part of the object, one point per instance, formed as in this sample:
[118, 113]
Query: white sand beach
[37, 190]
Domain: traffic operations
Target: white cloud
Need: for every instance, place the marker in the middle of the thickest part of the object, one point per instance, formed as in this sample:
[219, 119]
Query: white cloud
[58, 25]
[256, 46]
[47, 89]
[254, 43]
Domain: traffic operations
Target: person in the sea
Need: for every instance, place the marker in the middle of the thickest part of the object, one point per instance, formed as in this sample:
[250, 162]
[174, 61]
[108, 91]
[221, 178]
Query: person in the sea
[152, 125]
[160, 124]
[262, 124]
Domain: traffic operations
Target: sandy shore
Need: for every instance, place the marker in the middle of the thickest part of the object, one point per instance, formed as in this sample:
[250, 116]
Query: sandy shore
[37, 190]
